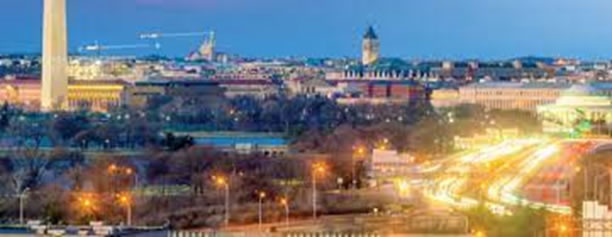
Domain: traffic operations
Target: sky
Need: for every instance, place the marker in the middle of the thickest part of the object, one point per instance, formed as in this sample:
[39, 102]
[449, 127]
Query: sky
[425, 29]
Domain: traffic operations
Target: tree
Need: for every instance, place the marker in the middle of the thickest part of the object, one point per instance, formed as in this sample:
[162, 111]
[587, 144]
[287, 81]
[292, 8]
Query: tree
[65, 126]
[525, 221]
[174, 143]
[28, 163]
[185, 167]
[5, 116]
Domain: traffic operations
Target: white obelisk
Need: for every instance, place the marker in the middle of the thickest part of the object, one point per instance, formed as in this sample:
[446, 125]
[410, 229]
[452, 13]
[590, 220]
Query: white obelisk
[55, 56]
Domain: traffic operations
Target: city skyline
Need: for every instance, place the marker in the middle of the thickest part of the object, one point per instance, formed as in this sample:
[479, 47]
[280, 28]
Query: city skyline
[446, 29]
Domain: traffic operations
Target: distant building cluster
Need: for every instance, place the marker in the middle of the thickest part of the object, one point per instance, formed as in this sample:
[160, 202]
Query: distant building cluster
[533, 84]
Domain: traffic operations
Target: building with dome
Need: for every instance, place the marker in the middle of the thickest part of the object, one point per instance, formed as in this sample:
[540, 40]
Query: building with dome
[581, 102]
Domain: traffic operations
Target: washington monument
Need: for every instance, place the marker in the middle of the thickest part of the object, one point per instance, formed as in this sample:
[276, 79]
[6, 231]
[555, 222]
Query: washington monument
[55, 56]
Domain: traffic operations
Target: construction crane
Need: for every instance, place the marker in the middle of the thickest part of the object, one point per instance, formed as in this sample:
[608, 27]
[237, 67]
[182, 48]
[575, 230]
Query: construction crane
[158, 35]
[98, 48]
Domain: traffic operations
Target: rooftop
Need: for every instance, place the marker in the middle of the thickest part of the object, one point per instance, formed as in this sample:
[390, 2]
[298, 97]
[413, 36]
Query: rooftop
[370, 34]
[177, 83]
[519, 85]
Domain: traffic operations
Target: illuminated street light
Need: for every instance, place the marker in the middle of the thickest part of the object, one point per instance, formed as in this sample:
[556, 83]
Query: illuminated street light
[112, 168]
[403, 188]
[317, 168]
[126, 200]
[86, 202]
[222, 182]
[285, 203]
[261, 195]
[360, 152]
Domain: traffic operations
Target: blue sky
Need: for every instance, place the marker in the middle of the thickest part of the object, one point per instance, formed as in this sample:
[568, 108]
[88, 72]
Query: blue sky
[276, 28]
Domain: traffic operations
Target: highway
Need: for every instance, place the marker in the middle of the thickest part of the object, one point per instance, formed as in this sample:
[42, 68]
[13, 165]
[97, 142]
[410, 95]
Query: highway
[455, 183]
[530, 172]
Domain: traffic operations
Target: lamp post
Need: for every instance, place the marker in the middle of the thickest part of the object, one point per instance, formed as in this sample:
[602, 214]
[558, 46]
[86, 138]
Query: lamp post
[119, 172]
[222, 182]
[21, 197]
[126, 200]
[359, 154]
[317, 168]
[261, 195]
[285, 203]
[130, 171]
[87, 204]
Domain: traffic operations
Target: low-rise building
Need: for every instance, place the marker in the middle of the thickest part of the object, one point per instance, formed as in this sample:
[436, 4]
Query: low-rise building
[255, 88]
[378, 91]
[311, 86]
[390, 163]
[446, 97]
[525, 96]
[97, 95]
[203, 90]
[24, 93]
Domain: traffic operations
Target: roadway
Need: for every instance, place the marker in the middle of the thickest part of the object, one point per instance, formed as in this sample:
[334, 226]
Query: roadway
[530, 172]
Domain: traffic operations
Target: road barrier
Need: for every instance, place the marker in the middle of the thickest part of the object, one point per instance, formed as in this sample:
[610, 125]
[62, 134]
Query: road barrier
[331, 235]
[205, 234]
[296, 234]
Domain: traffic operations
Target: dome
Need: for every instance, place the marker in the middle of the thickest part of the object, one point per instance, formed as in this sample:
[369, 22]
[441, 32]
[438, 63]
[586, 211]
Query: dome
[583, 95]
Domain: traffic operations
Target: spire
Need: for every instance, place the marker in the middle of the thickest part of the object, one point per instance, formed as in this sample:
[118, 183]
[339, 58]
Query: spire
[212, 39]
[370, 34]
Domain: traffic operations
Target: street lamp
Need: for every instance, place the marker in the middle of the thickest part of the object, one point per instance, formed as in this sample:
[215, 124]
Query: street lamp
[261, 195]
[285, 203]
[317, 168]
[86, 203]
[360, 151]
[126, 200]
[130, 171]
[479, 234]
[221, 181]
[385, 144]
[21, 197]
[114, 169]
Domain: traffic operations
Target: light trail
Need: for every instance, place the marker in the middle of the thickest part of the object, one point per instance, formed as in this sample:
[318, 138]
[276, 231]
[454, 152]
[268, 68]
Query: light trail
[505, 189]
[446, 189]
[503, 180]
